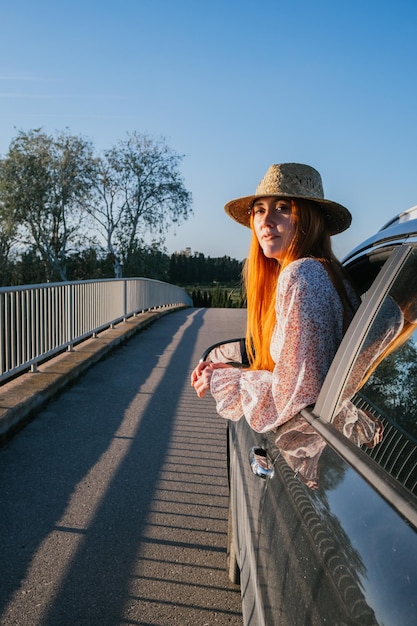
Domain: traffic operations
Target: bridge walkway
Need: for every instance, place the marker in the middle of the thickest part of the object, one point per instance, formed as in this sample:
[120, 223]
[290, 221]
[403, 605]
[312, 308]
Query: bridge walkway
[113, 501]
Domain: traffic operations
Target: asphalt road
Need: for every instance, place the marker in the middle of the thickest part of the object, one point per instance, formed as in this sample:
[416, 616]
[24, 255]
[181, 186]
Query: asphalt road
[113, 501]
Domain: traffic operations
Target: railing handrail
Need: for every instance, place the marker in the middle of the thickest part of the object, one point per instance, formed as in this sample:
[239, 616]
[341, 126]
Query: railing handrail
[84, 282]
[39, 321]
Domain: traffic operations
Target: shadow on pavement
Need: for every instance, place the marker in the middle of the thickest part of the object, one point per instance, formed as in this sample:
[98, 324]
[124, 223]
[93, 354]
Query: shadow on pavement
[77, 485]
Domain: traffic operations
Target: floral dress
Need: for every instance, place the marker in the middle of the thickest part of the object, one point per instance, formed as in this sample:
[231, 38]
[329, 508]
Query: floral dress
[308, 331]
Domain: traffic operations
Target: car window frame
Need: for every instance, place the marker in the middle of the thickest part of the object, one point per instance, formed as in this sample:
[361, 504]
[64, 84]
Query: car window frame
[345, 356]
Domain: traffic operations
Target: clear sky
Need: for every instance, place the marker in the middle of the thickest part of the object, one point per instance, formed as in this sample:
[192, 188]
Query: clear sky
[234, 86]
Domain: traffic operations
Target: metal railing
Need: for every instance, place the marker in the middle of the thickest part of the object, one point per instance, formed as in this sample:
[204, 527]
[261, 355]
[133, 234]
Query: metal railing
[39, 321]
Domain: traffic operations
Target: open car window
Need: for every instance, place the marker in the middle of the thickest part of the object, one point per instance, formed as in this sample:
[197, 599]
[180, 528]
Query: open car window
[232, 351]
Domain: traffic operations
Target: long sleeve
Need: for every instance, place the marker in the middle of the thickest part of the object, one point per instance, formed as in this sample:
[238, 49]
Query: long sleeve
[308, 331]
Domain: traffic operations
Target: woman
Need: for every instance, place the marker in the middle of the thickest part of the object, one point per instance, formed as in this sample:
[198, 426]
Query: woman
[298, 298]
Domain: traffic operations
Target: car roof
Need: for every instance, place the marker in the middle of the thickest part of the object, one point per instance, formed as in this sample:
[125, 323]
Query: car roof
[365, 261]
[396, 231]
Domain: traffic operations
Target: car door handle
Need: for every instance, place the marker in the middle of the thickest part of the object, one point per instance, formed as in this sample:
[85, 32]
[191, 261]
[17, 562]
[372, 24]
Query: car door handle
[260, 463]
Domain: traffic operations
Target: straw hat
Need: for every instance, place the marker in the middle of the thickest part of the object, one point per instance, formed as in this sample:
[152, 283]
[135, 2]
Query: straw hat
[292, 180]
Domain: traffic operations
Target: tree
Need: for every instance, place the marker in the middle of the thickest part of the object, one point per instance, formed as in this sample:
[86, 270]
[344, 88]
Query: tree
[147, 262]
[45, 183]
[138, 192]
[8, 231]
[28, 269]
[393, 386]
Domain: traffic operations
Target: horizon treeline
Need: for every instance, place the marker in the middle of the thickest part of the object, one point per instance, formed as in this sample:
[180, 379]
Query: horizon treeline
[211, 282]
[186, 268]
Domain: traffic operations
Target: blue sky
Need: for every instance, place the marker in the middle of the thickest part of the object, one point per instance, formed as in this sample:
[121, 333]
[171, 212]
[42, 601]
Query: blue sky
[234, 86]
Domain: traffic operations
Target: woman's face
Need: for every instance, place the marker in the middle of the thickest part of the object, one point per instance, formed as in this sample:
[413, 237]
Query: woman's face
[274, 226]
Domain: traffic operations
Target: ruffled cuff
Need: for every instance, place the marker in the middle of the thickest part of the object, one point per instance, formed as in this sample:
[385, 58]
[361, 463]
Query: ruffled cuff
[225, 389]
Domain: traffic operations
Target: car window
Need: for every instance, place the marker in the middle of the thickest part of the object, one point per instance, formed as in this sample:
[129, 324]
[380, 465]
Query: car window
[377, 409]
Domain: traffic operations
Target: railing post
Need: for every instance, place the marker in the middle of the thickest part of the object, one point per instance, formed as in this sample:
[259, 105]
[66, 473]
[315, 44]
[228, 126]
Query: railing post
[70, 319]
[124, 299]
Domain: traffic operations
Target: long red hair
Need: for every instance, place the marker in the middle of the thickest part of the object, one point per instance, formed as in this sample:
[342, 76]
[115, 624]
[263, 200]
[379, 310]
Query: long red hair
[261, 276]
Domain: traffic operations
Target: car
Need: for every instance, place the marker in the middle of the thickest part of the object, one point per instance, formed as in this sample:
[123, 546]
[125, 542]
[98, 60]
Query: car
[322, 522]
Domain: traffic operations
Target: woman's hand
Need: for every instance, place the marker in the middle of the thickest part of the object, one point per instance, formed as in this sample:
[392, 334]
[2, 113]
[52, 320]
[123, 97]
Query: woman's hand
[201, 376]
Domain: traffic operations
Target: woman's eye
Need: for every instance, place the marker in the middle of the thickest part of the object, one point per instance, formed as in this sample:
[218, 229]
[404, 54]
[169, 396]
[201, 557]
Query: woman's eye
[278, 208]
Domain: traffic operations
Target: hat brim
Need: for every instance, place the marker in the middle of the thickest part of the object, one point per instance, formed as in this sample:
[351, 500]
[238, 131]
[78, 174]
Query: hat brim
[338, 217]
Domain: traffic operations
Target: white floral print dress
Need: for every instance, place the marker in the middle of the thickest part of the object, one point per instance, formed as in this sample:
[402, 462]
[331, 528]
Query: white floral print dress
[308, 331]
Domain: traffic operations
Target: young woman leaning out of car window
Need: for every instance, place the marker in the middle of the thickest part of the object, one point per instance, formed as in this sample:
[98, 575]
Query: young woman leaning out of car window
[299, 300]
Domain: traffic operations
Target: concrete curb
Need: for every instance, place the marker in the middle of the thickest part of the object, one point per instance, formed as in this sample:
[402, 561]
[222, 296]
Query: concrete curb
[29, 392]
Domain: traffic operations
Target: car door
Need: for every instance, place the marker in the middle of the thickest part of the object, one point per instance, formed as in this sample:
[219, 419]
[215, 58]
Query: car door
[335, 536]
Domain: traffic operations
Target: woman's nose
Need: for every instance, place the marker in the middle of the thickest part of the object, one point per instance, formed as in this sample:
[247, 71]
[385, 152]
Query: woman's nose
[270, 217]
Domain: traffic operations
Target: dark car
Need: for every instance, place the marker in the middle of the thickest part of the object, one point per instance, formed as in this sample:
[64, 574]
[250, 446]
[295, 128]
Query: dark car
[322, 520]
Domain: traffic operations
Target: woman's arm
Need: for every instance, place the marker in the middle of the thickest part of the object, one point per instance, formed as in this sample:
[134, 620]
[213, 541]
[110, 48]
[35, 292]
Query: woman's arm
[309, 330]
